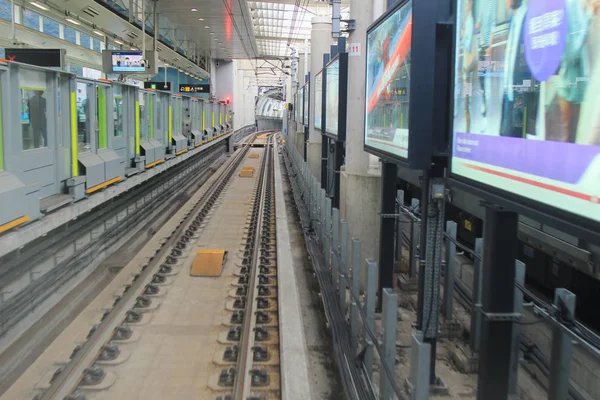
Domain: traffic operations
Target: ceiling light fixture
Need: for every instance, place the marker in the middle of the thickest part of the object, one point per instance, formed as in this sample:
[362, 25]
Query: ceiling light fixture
[200, 19]
[194, 9]
[41, 6]
[206, 27]
[133, 48]
[118, 42]
[212, 33]
[73, 21]
[97, 32]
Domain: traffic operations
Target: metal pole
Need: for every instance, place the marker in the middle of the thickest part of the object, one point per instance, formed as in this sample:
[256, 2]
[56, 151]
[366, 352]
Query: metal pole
[399, 224]
[343, 266]
[562, 349]
[516, 329]
[447, 310]
[324, 152]
[335, 222]
[500, 251]
[475, 312]
[370, 300]
[355, 288]
[389, 173]
[388, 358]
[339, 161]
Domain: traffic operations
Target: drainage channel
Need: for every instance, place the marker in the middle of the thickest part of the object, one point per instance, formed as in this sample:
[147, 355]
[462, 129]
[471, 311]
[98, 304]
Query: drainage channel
[83, 370]
[251, 358]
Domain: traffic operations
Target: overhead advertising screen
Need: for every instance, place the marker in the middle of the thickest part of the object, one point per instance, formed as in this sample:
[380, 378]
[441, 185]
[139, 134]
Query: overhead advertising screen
[127, 61]
[332, 98]
[306, 93]
[318, 101]
[527, 101]
[388, 84]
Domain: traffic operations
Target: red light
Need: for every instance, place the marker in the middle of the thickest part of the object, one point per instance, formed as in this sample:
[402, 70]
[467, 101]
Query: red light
[227, 100]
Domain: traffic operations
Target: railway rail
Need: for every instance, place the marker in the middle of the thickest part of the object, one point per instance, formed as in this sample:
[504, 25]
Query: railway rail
[251, 367]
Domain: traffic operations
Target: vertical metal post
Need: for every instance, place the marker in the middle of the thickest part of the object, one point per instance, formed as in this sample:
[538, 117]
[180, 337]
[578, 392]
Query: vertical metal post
[475, 312]
[516, 329]
[388, 358]
[562, 350]
[324, 154]
[327, 244]
[370, 301]
[323, 216]
[338, 162]
[355, 290]
[399, 223]
[414, 243]
[389, 172]
[335, 221]
[451, 228]
[343, 266]
[498, 286]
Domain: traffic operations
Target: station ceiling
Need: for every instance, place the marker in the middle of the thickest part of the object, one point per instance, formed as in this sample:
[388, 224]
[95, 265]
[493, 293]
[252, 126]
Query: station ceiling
[246, 29]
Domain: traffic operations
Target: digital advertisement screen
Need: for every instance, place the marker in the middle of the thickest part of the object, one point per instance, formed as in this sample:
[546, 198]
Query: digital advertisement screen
[332, 96]
[318, 100]
[127, 61]
[388, 83]
[527, 100]
[306, 94]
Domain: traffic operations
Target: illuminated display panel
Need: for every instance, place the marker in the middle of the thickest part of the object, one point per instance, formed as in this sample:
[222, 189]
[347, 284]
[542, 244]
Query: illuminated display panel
[526, 101]
[332, 91]
[318, 100]
[127, 61]
[306, 94]
[388, 84]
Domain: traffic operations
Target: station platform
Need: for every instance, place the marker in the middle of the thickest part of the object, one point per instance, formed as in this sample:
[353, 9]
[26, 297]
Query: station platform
[166, 327]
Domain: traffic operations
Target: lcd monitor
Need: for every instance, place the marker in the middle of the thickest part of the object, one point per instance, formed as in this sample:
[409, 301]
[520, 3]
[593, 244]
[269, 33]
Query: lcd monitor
[318, 120]
[127, 61]
[306, 93]
[388, 84]
[526, 122]
[332, 97]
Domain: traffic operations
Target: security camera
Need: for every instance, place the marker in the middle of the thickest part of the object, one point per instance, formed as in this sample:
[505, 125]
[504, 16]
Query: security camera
[217, 63]
[145, 63]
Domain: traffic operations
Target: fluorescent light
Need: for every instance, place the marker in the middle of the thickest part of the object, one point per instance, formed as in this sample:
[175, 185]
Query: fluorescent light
[39, 5]
[206, 27]
[97, 32]
[119, 42]
[200, 19]
[132, 48]
[73, 21]
[194, 9]
[212, 33]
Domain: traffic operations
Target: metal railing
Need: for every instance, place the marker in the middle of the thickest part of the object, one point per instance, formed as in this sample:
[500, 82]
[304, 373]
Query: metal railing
[351, 315]
[329, 234]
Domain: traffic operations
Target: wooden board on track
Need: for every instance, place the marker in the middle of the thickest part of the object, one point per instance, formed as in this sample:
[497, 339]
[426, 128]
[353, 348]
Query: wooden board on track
[208, 262]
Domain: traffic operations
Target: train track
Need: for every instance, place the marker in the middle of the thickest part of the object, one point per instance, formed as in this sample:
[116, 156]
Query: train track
[257, 296]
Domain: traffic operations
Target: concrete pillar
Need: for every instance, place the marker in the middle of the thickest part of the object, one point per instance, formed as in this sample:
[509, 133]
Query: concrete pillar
[299, 127]
[360, 189]
[320, 40]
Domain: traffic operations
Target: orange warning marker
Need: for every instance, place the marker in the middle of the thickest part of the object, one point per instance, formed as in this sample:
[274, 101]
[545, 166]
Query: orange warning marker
[208, 263]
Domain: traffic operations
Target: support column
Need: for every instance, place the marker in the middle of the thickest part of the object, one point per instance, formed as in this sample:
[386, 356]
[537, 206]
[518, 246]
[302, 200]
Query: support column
[299, 127]
[360, 191]
[499, 254]
[320, 39]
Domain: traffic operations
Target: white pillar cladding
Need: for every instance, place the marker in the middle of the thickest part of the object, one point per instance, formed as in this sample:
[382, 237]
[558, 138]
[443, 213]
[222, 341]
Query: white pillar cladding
[299, 126]
[320, 40]
[360, 188]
